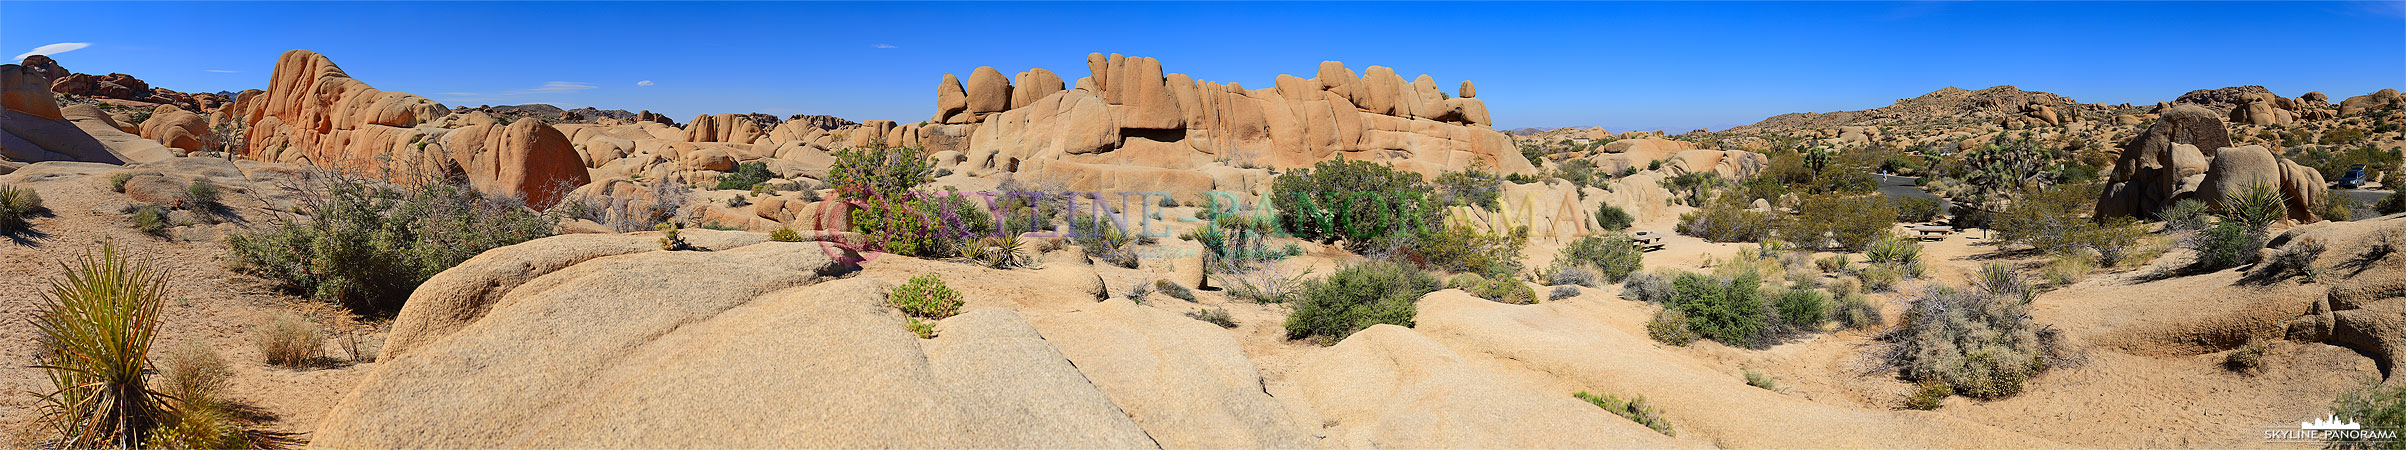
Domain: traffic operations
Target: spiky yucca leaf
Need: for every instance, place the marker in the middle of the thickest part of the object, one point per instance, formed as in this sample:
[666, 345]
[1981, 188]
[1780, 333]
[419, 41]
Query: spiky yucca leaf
[98, 323]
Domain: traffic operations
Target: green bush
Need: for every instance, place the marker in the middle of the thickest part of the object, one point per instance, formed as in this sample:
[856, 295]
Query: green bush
[1881, 277]
[1502, 290]
[1670, 326]
[2186, 214]
[1725, 220]
[745, 176]
[1979, 344]
[1214, 316]
[2257, 206]
[1918, 209]
[1612, 218]
[1635, 409]
[150, 220]
[117, 181]
[2393, 203]
[1892, 249]
[288, 340]
[1355, 201]
[1466, 250]
[17, 207]
[1853, 222]
[2338, 206]
[1802, 309]
[2248, 358]
[2376, 408]
[926, 296]
[878, 183]
[367, 245]
[95, 330]
[1929, 396]
[1731, 311]
[1472, 187]
[1856, 312]
[1357, 297]
[1174, 290]
[1614, 256]
[1758, 379]
[2226, 245]
[785, 234]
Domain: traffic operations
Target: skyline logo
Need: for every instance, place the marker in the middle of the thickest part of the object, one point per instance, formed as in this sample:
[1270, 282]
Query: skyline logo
[2329, 423]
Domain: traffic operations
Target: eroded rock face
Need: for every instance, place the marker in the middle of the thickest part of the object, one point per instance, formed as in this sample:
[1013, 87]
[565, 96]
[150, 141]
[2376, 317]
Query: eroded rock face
[36, 129]
[2378, 100]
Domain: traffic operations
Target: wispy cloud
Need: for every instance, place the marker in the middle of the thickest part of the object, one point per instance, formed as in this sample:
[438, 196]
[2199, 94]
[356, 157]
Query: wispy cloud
[54, 49]
[220, 71]
[643, 83]
[553, 87]
[883, 46]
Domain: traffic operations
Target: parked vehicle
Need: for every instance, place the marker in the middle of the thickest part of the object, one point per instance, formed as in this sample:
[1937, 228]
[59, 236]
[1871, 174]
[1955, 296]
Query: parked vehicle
[2353, 179]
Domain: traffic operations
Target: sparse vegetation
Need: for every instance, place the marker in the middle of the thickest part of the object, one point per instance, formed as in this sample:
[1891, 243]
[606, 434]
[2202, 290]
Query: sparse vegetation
[1635, 409]
[1853, 222]
[1646, 287]
[1562, 292]
[1856, 312]
[1670, 326]
[150, 220]
[1471, 187]
[745, 176]
[1172, 289]
[200, 195]
[96, 327]
[1928, 396]
[2376, 408]
[1614, 256]
[17, 207]
[1918, 209]
[2225, 245]
[289, 340]
[1758, 379]
[2186, 214]
[1215, 316]
[194, 376]
[1357, 297]
[117, 181]
[926, 296]
[366, 245]
[1978, 343]
[2247, 358]
[1467, 250]
[785, 234]
[1727, 220]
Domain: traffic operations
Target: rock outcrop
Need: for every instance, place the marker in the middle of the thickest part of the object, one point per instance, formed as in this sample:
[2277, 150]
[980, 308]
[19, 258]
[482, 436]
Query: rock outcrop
[175, 127]
[34, 129]
[2187, 154]
[2378, 100]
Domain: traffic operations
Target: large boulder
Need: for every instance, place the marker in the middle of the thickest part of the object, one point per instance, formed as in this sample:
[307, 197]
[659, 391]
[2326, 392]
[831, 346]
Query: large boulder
[528, 160]
[175, 127]
[951, 102]
[34, 129]
[2146, 176]
[988, 91]
[659, 352]
[2378, 100]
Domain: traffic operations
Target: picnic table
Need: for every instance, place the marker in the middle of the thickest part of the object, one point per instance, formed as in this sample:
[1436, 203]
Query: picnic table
[1933, 232]
[1647, 240]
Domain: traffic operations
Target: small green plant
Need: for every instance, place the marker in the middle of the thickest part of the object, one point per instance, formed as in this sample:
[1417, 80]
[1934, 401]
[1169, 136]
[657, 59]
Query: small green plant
[150, 220]
[1357, 297]
[17, 207]
[2293, 259]
[1833, 263]
[2247, 358]
[2226, 245]
[289, 340]
[1758, 379]
[1646, 287]
[1635, 409]
[201, 194]
[1215, 316]
[925, 329]
[926, 296]
[1856, 312]
[96, 327]
[669, 240]
[1802, 308]
[1173, 290]
[2186, 214]
[1138, 293]
[785, 234]
[117, 181]
[1613, 218]
[1929, 396]
[2256, 206]
[745, 176]
[1670, 326]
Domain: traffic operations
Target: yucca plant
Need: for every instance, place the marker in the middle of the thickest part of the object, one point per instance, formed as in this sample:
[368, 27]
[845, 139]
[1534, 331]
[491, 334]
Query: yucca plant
[98, 324]
[16, 206]
[2257, 206]
[1001, 252]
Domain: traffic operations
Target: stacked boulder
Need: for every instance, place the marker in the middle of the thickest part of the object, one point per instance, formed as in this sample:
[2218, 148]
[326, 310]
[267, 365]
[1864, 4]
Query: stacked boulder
[2168, 163]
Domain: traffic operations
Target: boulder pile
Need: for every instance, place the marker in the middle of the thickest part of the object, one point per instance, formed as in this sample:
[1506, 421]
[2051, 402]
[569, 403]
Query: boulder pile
[2169, 163]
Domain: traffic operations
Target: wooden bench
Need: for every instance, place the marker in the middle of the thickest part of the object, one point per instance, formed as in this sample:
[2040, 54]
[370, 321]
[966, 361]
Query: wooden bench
[1932, 232]
[1647, 240]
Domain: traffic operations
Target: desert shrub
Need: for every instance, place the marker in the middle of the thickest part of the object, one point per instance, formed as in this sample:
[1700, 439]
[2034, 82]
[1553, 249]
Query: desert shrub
[2376, 408]
[193, 376]
[1979, 344]
[1139, 292]
[2248, 358]
[1613, 218]
[925, 329]
[1670, 326]
[1562, 273]
[1104, 240]
[1614, 256]
[367, 245]
[877, 182]
[1918, 209]
[1357, 297]
[1802, 308]
[1726, 220]
[1635, 409]
[94, 334]
[1173, 290]
[1997, 278]
[2294, 259]
[1892, 249]
[1694, 188]
[2186, 214]
[192, 373]
[926, 296]
[1499, 289]
[2052, 221]
[785, 234]
[1844, 286]
[1001, 252]
[745, 176]
[669, 239]
[1468, 250]
[1214, 316]
[1854, 311]
[117, 181]
[2393, 203]
[1758, 379]
[201, 194]
[1646, 287]
[1731, 311]
[1880, 277]
[1471, 187]
[1833, 263]
[289, 340]
[1355, 201]
[2337, 206]
[2066, 268]
[1853, 222]
[150, 220]
[1928, 396]
[2257, 206]
[2226, 245]
[18, 208]
[1562, 292]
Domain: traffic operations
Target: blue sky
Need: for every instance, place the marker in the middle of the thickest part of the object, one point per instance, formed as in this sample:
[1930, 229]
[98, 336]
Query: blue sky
[1622, 65]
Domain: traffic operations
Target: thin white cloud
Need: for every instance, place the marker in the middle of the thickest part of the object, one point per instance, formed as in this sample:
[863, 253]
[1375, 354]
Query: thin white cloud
[220, 71]
[54, 49]
[554, 87]
[643, 83]
[883, 46]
